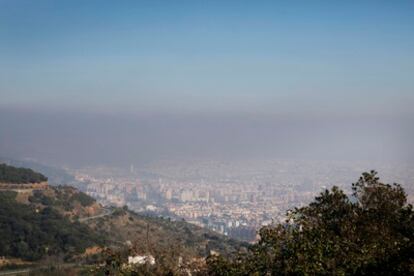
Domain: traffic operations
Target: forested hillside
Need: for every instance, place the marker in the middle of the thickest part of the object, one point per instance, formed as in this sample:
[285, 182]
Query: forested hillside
[71, 226]
[30, 233]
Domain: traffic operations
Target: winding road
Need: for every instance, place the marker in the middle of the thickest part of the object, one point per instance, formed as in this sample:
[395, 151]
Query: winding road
[107, 212]
[15, 272]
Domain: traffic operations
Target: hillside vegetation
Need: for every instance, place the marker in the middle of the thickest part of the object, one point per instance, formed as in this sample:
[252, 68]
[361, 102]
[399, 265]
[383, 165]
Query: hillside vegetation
[64, 223]
[369, 232]
[31, 232]
[10, 174]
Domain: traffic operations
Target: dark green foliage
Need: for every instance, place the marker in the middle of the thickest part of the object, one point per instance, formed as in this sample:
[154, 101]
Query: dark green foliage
[83, 199]
[30, 233]
[119, 212]
[65, 197]
[9, 174]
[56, 176]
[372, 234]
[39, 197]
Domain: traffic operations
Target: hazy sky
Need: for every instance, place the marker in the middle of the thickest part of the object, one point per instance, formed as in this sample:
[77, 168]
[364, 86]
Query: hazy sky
[190, 77]
[255, 56]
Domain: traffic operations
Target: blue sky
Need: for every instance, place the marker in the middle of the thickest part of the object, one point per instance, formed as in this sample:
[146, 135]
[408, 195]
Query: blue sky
[319, 57]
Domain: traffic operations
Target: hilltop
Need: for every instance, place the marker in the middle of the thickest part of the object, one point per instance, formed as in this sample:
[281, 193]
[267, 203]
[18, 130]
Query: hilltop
[55, 176]
[13, 175]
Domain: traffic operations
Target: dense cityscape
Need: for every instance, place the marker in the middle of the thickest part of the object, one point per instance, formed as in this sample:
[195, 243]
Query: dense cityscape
[232, 198]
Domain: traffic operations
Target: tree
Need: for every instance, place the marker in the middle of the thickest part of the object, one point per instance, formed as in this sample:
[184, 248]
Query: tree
[368, 232]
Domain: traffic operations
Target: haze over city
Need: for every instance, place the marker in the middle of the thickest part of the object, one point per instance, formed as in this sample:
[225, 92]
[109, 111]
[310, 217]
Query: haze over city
[206, 137]
[119, 83]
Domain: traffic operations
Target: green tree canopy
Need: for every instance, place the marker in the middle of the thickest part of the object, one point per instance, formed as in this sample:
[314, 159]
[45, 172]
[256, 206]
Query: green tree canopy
[369, 232]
